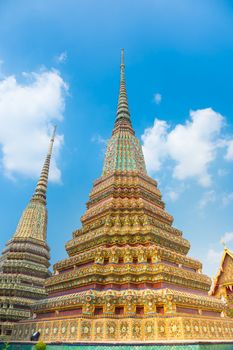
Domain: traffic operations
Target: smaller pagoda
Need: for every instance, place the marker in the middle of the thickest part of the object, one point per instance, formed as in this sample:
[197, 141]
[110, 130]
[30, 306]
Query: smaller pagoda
[223, 282]
[25, 260]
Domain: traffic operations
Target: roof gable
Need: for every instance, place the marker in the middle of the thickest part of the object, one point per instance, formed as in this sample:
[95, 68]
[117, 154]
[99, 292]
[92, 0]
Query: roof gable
[225, 272]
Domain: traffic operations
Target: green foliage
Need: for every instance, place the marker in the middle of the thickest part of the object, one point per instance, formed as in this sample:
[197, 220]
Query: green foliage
[40, 346]
[230, 313]
[6, 344]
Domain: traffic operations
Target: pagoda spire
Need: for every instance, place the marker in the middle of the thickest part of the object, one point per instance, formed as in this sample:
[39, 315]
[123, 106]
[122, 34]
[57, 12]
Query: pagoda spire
[124, 152]
[41, 187]
[122, 107]
[33, 222]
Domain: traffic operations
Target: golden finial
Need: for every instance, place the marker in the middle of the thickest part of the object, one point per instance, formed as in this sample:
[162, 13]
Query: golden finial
[223, 243]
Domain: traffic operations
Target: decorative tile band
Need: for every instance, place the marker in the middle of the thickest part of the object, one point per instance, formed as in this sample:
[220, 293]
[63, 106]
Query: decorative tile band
[126, 329]
[213, 346]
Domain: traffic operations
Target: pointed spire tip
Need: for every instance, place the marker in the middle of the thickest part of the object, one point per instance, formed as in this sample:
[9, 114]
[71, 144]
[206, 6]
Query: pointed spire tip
[122, 56]
[54, 131]
[122, 107]
[41, 187]
[52, 140]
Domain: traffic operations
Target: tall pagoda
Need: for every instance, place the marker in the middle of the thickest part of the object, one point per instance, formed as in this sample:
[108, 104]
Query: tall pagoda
[127, 277]
[25, 261]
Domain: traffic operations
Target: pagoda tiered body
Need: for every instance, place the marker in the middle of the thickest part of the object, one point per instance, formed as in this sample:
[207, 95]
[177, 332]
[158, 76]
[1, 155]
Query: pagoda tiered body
[25, 261]
[127, 277]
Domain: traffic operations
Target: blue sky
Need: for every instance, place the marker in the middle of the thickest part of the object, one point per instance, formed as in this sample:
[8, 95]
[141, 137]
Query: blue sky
[59, 63]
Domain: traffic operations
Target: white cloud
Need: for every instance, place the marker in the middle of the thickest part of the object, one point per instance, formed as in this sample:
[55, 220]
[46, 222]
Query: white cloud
[154, 145]
[157, 98]
[27, 112]
[191, 145]
[207, 198]
[62, 57]
[229, 153]
[227, 238]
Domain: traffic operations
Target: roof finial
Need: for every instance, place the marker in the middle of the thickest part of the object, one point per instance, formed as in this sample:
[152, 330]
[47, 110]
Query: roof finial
[122, 78]
[52, 140]
[223, 243]
[122, 56]
[41, 187]
[122, 108]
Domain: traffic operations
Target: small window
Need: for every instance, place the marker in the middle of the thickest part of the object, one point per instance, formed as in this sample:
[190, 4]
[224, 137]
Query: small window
[139, 310]
[119, 310]
[98, 311]
[160, 309]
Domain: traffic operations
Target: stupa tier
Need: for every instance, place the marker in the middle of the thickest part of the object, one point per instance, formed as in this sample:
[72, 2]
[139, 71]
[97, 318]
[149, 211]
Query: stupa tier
[25, 260]
[127, 276]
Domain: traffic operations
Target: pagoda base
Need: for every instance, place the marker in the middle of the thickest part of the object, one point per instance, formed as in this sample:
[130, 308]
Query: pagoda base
[126, 330]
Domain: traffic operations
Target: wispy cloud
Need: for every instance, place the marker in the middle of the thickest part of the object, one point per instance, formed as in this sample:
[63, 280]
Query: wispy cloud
[157, 98]
[62, 57]
[1, 70]
[207, 198]
[227, 198]
[27, 112]
[213, 259]
[229, 153]
[98, 139]
[222, 172]
[173, 194]
[214, 256]
[227, 238]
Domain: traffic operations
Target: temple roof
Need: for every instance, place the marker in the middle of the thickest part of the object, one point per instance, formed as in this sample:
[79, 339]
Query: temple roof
[226, 269]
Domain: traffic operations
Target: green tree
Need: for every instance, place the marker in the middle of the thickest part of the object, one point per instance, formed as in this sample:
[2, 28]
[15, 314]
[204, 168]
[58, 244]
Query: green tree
[40, 346]
[6, 344]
